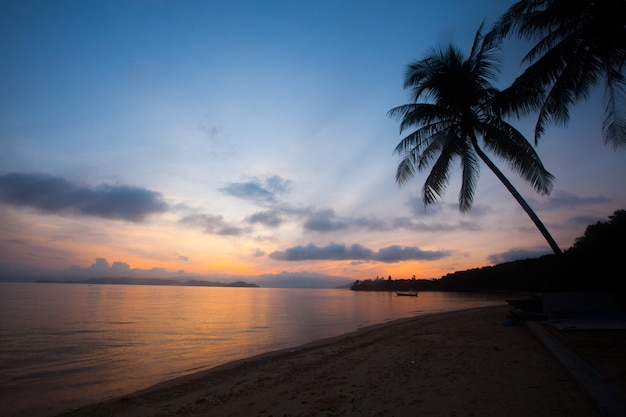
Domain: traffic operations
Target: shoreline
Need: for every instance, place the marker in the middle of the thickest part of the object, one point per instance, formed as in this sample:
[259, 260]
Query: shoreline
[449, 363]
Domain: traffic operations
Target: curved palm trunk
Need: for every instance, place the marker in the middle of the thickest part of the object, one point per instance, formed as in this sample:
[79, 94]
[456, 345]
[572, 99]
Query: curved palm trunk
[518, 197]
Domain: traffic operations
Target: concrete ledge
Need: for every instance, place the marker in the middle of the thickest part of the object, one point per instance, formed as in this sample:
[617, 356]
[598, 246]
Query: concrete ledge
[608, 400]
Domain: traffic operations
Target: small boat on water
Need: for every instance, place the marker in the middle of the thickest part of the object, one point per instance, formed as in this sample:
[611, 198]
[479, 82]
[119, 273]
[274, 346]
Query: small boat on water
[406, 293]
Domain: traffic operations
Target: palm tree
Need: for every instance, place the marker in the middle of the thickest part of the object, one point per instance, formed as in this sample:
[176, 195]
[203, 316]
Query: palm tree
[580, 43]
[451, 108]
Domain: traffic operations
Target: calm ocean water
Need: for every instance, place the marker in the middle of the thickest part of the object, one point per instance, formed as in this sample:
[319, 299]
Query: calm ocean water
[66, 345]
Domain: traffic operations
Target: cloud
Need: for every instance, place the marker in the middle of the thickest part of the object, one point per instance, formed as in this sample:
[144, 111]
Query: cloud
[212, 224]
[356, 252]
[183, 258]
[517, 254]
[99, 264]
[333, 251]
[257, 190]
[50, 194]
[418, 208]
[372, 223]
[409, 224]
[324, 221]
[102, 268]
[563, 199]
[211, 131]
[278, 184]
[248, 191]
[584, 220]
[397, 253]
[120, 267]
[272, 218]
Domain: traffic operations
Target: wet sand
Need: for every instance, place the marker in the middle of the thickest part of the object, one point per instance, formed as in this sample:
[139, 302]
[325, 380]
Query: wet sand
[449, 364]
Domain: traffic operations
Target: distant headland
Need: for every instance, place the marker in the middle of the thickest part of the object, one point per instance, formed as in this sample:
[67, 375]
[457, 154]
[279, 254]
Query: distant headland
[152, 281]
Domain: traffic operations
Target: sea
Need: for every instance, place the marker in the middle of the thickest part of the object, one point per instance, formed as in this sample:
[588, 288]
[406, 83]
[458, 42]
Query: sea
[67, 345]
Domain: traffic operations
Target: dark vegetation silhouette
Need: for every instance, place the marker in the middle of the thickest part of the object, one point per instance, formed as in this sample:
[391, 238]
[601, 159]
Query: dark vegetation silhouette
[451, 109]
[593, 263]
[578, 44]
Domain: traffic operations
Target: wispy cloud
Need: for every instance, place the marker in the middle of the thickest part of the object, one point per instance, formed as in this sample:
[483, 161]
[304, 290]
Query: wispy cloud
[410, 224]
[559, 200]
[356, 252]
[324, 221]
[212, 224]
[258, 190]
[267, 192]
[271, 218]
[517, 254]
[418, 208]
[310, 219]
[584, 221]
[56, 195]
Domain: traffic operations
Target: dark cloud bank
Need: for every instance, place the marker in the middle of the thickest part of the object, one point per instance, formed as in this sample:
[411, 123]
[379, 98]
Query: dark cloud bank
[50, 194]
[339, 252]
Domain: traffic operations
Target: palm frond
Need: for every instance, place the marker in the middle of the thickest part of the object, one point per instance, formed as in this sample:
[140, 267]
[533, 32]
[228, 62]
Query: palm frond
[520, 99]
[430, 152]
[560, 73]
[470, 171]
[589, 69]
[484, 58]
[421, 76]
[560, 97]
[434, 79]
[536, 79]
[418, 157]
[576, 44]
[419, 114]
[477, 45]
[555, 26]
[614, 124]
[439, 176]
[509, 144]
[420, 138]
[406, 169]
[511, 20]
[530, 19]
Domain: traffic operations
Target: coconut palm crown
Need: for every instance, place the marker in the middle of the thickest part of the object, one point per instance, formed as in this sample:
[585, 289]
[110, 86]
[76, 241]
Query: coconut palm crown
[579, 44]
[451, 109]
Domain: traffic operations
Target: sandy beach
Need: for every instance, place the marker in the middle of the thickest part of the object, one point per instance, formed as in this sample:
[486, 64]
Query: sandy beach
[462, 363]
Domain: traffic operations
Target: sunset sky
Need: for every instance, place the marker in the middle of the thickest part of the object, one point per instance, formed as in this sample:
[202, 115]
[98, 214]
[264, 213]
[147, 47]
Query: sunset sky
[250, 140]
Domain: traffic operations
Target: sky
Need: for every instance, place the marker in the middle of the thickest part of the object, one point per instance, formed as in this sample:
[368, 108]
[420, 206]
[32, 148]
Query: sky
[228, 140]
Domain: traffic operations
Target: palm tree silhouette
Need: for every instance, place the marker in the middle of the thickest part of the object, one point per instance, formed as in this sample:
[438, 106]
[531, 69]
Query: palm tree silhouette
[451, 107]
[580, 43]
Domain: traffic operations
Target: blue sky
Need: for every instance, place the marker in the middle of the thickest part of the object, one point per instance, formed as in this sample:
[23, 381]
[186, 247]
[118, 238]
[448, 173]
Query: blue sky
[246, 139]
